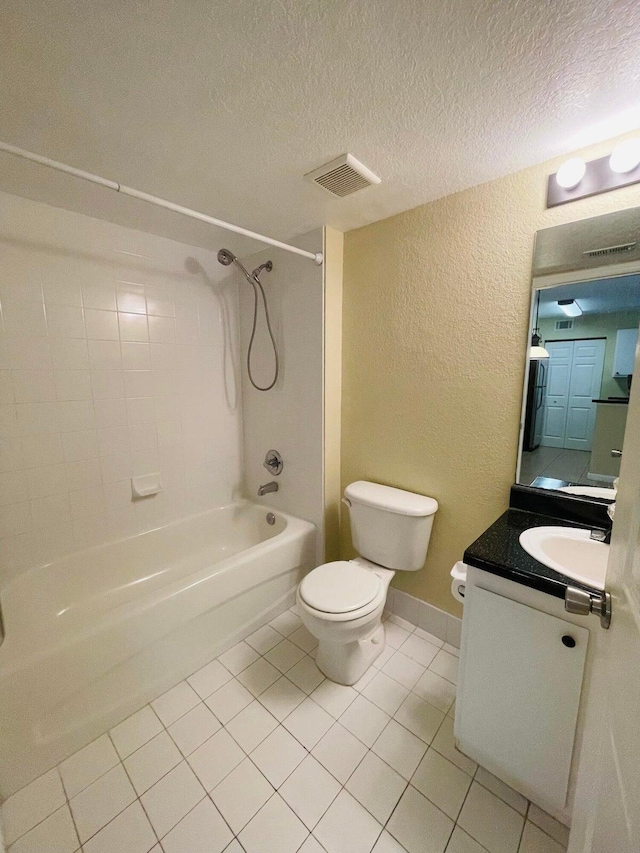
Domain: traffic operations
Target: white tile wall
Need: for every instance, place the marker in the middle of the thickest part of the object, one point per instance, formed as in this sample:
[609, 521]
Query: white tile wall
[429, 619]
[114, 361]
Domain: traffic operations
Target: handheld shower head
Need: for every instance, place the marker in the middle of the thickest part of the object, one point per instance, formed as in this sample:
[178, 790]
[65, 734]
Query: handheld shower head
[225, 257]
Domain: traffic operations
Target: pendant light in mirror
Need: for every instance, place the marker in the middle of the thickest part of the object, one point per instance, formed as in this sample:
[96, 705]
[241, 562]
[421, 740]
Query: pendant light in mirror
[535, 350]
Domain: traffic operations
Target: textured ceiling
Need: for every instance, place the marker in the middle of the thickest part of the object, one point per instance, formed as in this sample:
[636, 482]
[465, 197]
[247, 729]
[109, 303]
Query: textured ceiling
[223, 105]
[594, 297]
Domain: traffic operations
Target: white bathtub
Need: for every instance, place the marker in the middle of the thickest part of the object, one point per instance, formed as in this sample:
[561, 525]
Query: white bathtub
[96, 635]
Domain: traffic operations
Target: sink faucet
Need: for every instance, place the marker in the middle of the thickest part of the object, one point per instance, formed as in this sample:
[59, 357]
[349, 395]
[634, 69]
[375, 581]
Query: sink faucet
[269, 487]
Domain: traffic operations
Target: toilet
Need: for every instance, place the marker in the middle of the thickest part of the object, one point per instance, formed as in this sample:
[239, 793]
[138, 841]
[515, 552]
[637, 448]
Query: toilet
[341, 602]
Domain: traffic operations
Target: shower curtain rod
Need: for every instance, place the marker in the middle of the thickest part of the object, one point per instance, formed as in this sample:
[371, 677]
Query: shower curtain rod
[152, 199]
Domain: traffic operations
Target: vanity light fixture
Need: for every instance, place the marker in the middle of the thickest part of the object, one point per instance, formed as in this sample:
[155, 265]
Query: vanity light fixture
[537, 352]
[570, 307]
[625, 157]
[571, 173]
[576, 179]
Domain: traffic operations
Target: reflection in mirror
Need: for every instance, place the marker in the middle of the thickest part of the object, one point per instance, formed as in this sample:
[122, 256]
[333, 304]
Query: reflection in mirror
[575, 400]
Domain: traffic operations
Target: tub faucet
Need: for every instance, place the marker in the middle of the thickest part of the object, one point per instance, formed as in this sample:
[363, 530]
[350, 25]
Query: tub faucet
[269, 487]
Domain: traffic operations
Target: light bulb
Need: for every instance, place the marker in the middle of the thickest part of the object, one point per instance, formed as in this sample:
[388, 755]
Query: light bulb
[625, 157]
[571, 173]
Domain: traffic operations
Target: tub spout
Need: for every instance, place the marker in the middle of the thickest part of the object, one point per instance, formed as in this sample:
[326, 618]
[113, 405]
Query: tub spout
[269, 487]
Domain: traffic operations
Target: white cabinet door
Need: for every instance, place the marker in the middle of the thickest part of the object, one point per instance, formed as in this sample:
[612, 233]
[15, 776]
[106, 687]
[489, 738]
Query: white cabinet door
[519, 693]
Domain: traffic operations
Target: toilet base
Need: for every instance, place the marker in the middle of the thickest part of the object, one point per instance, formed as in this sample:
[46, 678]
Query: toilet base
[346, 663]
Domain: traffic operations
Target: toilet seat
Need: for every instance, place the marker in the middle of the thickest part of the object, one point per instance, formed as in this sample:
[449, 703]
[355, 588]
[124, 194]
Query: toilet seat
[341, 589]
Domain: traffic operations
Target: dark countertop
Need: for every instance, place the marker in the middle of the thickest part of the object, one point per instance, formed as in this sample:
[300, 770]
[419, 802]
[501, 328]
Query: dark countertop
[499, 552]
[615, 400]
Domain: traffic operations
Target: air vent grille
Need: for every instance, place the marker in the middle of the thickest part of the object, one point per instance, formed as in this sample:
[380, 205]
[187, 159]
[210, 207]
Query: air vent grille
[610, 250]
[564, 325]
[343, 176]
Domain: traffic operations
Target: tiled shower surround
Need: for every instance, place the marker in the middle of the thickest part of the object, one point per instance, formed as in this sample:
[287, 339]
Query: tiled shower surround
[118, 357]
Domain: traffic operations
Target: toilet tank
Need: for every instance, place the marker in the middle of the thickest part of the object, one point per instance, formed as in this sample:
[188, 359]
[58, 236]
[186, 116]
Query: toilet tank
[389, 526]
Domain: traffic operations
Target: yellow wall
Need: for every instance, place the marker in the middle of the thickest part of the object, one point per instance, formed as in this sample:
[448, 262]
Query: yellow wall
[435, 317]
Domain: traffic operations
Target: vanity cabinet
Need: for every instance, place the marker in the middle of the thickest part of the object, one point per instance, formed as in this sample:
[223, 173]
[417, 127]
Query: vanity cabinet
[519, 693]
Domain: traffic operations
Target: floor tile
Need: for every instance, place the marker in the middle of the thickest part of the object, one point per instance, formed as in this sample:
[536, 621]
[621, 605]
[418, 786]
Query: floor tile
[441, 782]
[275, 829]
[534, 840]
[385, 655]
[404, 669]
[451, 649]
[22, 811]
[129, 832]
[259, 676]
[241, 795]
[216, 758]
[418, 825]
[278, 756]
[460, 842]
[394, 635]
[263, 639]
[347, 827]
[548, 824]
[251, 726]
[385, 692]
[419, 717]
[376, 786]
[175, 703]
[234, 847]
[172, 798]
[239, 657]
[430, 638]
[334, 698]
[310, 790]
[419, 650]
[436, 690]
[202, 830]
[387, 844]
[444, 743]
[364, 720]
[308, 723]
[281, 698]
[152, 761]
[305, 675]
[209, 679]
[87, 765]
[284, 655]
[56, 834]
[407, 624]
[446, 665]
[501, 789]
[311, 846]
[286, 623]
[98, 804]
[192, 730]
[229, 701]
[304, 639]
[400, 749]
[365, 679]
[339, 752]
[492, 823]
[135, 731]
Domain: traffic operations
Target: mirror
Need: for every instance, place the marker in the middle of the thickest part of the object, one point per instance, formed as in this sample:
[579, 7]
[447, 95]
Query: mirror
[585, 315]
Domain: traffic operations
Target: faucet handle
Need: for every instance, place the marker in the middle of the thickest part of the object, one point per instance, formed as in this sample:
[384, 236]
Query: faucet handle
[273, 462]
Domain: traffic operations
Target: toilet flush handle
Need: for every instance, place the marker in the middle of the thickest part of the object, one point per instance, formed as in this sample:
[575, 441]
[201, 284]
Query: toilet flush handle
[346, 501]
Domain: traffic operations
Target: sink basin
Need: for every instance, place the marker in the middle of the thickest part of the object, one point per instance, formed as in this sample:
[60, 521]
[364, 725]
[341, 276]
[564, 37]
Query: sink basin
[570, 551]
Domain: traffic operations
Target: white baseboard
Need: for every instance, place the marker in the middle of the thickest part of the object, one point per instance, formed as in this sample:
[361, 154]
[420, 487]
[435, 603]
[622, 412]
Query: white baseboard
[422, 615]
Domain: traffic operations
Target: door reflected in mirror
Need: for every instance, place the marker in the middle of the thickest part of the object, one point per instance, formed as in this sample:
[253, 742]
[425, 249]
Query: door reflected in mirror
[575, 401]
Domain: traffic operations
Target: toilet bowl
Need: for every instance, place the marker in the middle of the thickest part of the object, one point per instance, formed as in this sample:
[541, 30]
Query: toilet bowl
[341, 603]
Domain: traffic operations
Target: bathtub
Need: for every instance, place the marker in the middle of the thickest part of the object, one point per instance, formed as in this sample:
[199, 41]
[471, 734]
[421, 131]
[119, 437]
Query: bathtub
[94, 636]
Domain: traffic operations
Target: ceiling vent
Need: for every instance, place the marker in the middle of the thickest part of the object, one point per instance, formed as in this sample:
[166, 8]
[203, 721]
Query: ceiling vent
[343, 176]
[610, 250]
[564, 325]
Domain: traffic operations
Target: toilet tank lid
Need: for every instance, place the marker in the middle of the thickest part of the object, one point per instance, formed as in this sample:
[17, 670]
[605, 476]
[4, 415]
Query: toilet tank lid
[390, 499]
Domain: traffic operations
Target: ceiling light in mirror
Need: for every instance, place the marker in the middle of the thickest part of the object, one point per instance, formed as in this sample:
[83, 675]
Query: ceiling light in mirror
[625, 157]
[571, 173]
[570, 307]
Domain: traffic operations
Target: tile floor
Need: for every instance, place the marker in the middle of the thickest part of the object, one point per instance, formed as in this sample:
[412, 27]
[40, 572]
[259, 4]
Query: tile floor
[558, 463]
[258, 753]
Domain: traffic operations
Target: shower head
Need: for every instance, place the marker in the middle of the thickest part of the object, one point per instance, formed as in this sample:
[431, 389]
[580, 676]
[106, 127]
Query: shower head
[225, 257]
